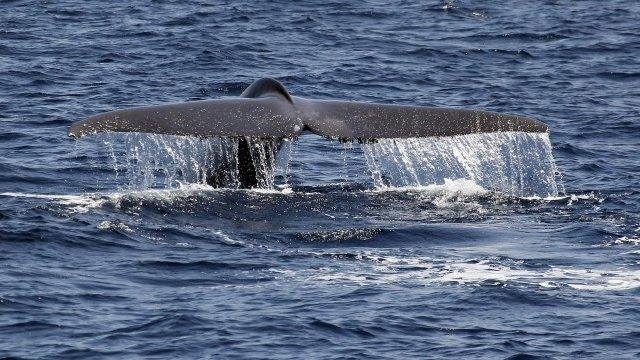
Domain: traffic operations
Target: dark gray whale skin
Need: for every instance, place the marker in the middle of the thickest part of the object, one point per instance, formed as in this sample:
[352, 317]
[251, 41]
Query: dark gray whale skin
[266, 110]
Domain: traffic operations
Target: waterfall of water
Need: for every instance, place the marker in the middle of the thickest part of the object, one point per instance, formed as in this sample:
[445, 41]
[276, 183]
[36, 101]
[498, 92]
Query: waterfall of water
[152, 160]
[518, 164]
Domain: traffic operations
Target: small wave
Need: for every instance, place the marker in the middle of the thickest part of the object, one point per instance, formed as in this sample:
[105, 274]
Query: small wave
[625, 240]
[341, 329]
[452, 8]
[6, 50]
[168, 324]
[66, 12]
[530, 36]
[424, 51]
[619, 76]
[182, 21]
[226, 238]
[200, 265]
[28, 327]
[115, 225]
[82, 203]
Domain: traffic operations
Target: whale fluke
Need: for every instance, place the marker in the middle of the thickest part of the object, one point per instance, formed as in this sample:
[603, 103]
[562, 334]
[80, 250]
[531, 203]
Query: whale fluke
[265, 114]
[266, 110]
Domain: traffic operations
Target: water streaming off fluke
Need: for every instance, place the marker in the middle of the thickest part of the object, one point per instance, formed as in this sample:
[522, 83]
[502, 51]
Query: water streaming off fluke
[166, 161]
[518, 164]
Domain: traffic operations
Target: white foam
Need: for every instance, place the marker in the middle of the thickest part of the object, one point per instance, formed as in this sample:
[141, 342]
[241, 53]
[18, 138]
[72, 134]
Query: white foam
[631, 240]
[226, 238]
[372, 267]
[79, 203]
[576, 278]
[283, 191]
[464, 187]
[114, 225]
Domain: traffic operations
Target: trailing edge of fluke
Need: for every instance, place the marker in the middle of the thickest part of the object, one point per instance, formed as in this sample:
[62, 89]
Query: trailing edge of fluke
[266, 110]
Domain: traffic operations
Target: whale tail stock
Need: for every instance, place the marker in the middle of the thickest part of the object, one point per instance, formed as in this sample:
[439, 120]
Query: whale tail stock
[265, 110]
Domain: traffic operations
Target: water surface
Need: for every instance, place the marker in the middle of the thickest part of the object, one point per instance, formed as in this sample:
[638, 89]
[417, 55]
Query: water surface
[100, 259]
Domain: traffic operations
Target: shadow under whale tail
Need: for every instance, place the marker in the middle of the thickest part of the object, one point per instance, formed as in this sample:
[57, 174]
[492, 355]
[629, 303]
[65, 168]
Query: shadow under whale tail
[265, 110]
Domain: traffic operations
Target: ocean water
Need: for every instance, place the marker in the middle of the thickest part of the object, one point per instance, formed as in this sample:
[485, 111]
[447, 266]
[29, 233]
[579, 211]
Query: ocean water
[485, 246]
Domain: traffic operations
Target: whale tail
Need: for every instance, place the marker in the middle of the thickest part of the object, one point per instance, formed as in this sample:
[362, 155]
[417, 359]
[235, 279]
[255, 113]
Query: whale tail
[266, 110]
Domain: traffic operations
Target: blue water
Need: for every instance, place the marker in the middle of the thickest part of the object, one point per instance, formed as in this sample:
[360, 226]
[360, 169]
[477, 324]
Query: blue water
[95, 262]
